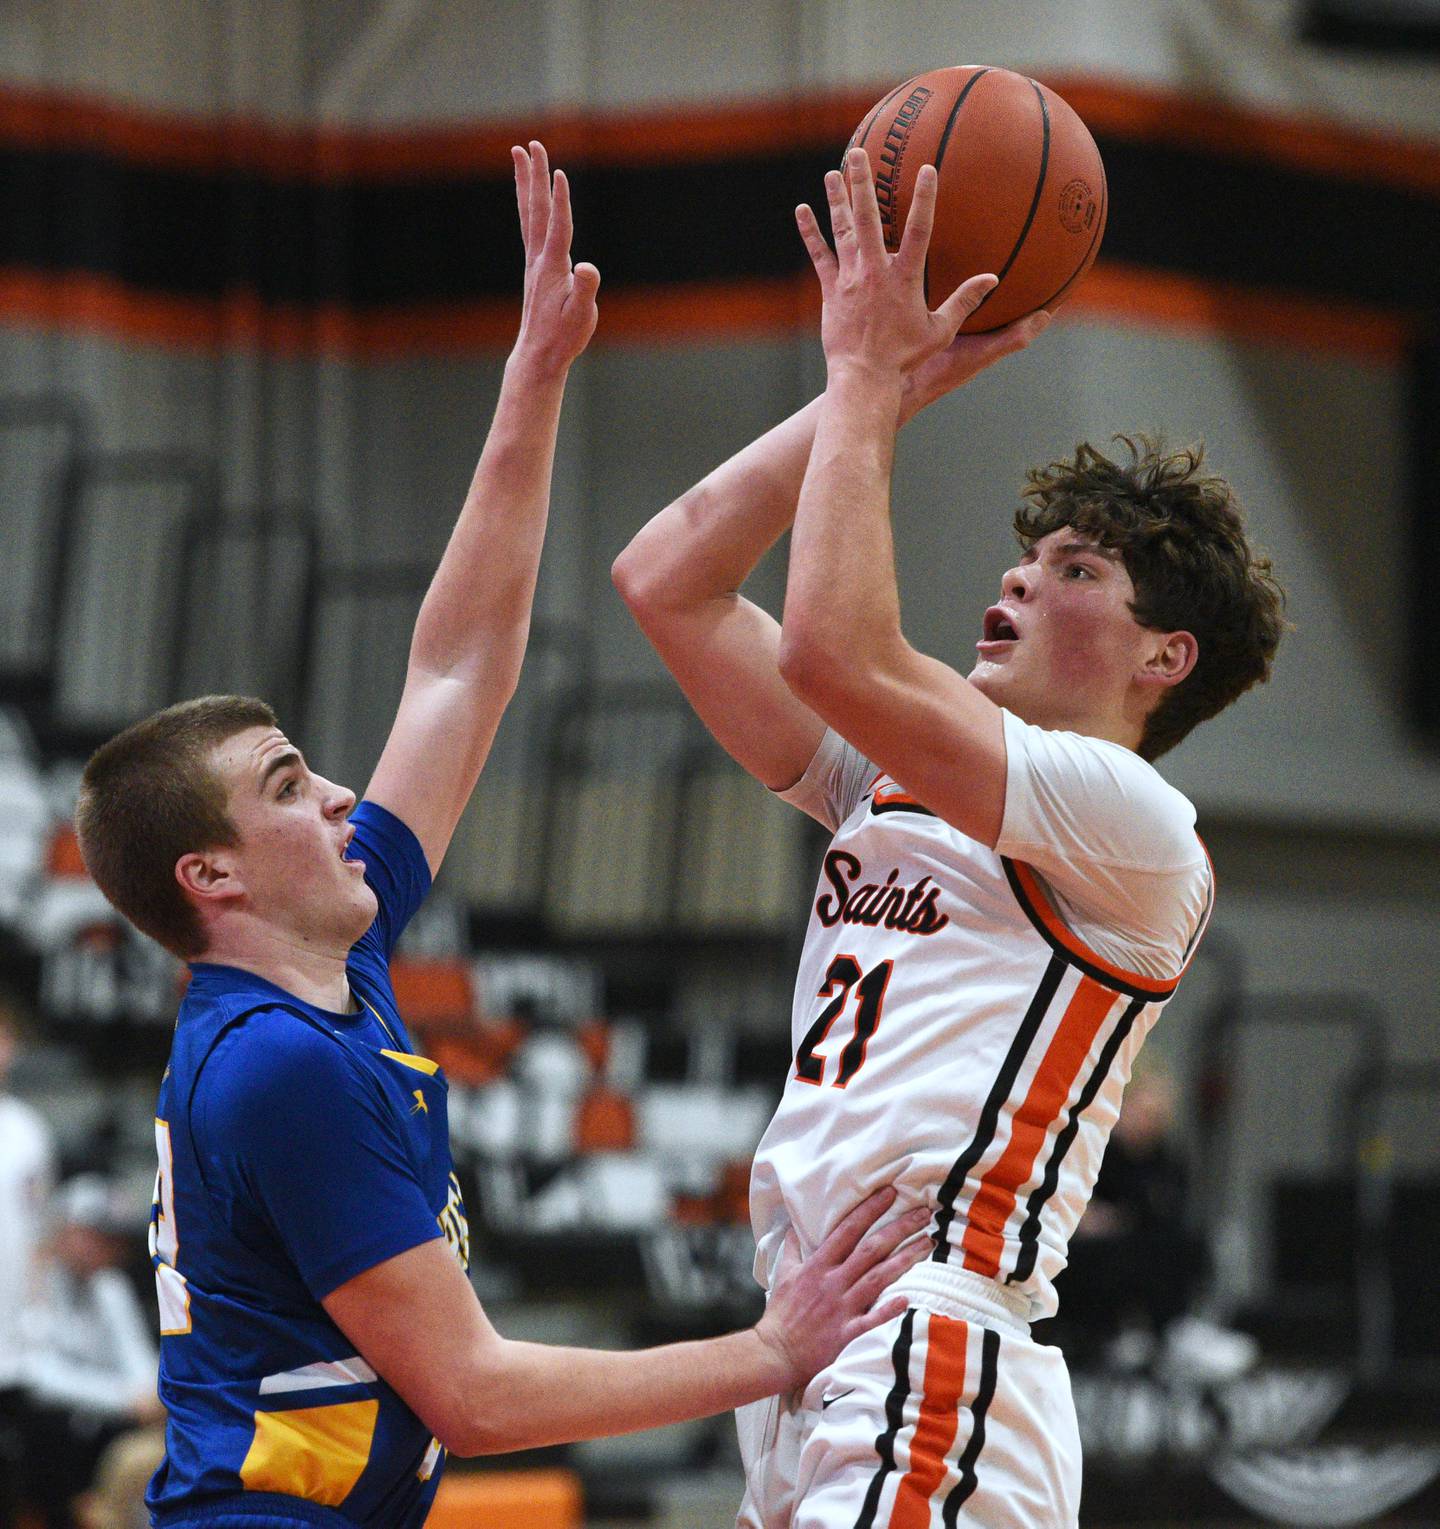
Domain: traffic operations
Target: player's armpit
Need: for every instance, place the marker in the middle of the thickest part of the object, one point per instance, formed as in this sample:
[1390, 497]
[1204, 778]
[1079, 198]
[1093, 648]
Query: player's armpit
[918, 720]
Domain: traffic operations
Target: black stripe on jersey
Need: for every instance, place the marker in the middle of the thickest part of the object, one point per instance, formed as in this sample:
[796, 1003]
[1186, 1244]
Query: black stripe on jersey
[894, 1421]
[878, 809]
[1040, 1195]
[990, 1114]
[989, 1373]
[1107, 978]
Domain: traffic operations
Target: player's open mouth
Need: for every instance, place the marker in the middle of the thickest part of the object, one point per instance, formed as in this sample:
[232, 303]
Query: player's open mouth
[997, 631]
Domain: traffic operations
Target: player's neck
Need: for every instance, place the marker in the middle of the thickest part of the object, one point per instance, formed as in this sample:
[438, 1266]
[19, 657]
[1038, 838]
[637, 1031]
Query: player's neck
[314, 975]
[1089, 724]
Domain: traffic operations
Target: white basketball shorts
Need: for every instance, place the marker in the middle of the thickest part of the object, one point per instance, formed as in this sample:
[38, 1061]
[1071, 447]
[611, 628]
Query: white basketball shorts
[949, 1415]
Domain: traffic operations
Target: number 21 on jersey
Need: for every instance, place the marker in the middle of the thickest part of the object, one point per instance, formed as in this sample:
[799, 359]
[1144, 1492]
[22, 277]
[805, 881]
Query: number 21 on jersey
[869, 989]
[170, 1291]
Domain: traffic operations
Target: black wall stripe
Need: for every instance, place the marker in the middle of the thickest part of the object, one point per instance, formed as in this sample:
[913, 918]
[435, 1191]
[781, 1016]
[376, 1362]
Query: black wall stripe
[894, 1420]
[414, 240]
[969, 1476]
[1422, 407]
[990, 1114]
[1040, 1195]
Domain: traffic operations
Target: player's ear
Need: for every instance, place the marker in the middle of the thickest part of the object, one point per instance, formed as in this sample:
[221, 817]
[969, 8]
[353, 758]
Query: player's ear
[1171, 660]
[211, 877]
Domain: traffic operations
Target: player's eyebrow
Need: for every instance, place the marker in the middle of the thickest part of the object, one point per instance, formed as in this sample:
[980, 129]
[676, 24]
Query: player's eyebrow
[1068, 549]
[281, 761]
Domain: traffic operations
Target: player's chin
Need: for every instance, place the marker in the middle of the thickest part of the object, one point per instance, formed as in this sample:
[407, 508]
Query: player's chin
[365, 905]
[988, 677]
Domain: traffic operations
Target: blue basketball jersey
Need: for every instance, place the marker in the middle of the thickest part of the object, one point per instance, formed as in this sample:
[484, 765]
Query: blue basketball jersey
[297, 1148]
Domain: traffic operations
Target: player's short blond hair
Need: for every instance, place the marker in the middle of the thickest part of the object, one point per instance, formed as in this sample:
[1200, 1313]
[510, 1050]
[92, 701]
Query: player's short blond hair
[151, 795]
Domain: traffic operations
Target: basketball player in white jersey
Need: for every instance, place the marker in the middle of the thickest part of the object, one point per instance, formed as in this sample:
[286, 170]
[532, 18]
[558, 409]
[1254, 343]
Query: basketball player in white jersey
[1011, 894]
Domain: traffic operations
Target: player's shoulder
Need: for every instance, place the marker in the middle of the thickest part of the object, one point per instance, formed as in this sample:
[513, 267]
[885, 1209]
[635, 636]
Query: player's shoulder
[269, 1058]
[1062, 776]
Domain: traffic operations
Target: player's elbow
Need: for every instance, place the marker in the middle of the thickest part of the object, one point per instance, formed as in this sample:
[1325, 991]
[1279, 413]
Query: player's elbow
[484, 1412]
[810, 662]
[630, 577]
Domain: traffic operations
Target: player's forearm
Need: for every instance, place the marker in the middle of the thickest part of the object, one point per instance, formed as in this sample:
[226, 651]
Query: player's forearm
[841, 599]
[705, 544]
[477, 610]
[542, 1395]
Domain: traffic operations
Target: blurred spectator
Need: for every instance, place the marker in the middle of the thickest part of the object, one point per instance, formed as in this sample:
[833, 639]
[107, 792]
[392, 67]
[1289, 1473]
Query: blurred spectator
[117, 1498]
[26, 1169]
[90, 1362]
[1137, 1266]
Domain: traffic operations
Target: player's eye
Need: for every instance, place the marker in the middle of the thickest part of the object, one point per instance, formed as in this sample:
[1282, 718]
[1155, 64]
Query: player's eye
[1079, 569]
[290, 787]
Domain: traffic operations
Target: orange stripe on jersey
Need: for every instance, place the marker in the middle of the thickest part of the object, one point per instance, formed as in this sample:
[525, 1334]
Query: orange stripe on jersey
[1042, 914]
[994, 1201]
[936, 1426]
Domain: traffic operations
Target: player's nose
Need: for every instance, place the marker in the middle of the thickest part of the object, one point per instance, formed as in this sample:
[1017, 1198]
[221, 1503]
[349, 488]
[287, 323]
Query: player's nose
[1015, 583]
[339, 800]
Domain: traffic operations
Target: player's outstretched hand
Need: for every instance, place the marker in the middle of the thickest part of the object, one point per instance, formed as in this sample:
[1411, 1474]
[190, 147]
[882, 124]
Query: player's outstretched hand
[875, 313]
[831, 1298]
[559, 313]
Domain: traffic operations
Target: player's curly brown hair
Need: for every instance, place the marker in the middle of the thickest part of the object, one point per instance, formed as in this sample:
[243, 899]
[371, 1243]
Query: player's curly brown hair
[150, 795]
[1181, 534]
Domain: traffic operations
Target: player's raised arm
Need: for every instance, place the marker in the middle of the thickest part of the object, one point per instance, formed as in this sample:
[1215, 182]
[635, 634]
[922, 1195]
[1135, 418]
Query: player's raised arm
[471, 633]
[681, 575]
[843, 652]
[415, 1319]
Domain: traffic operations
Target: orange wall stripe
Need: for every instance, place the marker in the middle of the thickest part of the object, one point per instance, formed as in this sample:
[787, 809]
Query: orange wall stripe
[702, 311]
[1187, 304]
[41, 118]
[935, 1429]
[991, 1207]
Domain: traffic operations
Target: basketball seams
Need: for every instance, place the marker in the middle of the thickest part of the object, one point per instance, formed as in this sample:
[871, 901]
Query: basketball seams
[1026, 240]
[863, 131]
[1034, 203]
[940, 147]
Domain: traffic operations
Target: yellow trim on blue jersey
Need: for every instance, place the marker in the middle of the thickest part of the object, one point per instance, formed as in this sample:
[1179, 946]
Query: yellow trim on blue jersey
[317, 1453]
[419, 1063]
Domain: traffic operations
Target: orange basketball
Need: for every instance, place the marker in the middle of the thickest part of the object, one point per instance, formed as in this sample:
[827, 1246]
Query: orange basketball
[1021, 190]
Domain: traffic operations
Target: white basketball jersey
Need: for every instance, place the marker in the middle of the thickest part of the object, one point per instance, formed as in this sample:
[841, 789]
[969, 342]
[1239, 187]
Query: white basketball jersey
[966, 1018]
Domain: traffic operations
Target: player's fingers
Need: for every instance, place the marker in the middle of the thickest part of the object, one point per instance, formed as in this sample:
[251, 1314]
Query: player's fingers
[822, 257]
[890, 1308]
[847, 1232]
[920, 224]
[964, 300]
[842, 223]
[1018, 335]
[865, 209]
[539, 193]
[881, 1243]
[586, 283]
[521, 160]
[869, 1286]
[557, 237]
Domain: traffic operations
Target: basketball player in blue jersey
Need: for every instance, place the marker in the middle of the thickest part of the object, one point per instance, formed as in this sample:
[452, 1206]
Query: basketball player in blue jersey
[1011, 893]
[321, 1345]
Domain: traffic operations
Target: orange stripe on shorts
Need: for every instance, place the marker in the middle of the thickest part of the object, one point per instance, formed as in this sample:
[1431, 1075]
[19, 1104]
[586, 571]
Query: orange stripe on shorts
[936, 1426]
